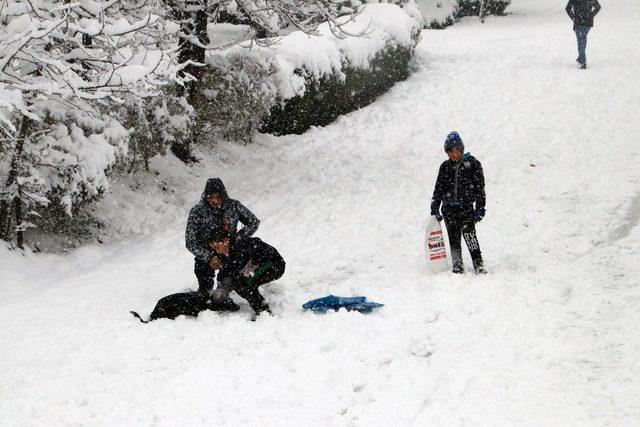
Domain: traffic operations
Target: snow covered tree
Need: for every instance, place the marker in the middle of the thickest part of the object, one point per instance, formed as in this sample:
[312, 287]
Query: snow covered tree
[239, 93]
[63, 66]
[158, 122]
[266, 19]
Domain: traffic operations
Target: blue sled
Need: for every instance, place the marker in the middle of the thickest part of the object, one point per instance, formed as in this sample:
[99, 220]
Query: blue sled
[332, 302]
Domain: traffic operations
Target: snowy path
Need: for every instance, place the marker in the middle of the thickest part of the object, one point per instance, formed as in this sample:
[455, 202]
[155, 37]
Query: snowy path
[550, 337]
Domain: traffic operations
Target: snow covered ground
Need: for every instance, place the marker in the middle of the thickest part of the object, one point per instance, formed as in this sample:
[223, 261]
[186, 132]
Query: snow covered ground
[551, 336]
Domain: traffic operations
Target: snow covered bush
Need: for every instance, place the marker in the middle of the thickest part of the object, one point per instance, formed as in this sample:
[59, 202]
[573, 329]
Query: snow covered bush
[438, 14]
[57, 168]
[348, 74]
[472, 7]
[156, 122]
[305, 80]
[240, 90]
[409, 6]
[262, 21]
[63, 66]
[333, 95]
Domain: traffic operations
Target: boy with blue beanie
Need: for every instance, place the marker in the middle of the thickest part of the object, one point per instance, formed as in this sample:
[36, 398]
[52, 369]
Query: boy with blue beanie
[459, 186]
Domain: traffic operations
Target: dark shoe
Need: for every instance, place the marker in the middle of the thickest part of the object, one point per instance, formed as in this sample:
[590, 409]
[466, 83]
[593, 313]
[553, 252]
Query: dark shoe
[257, 302]
[456, 258]
[583, 66]
[478, 266]
[259, 305]
[262, 308]
[578, 60]
[259, 310]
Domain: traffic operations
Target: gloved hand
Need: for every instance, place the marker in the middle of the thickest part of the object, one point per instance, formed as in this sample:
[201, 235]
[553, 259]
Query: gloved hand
[215, 263]
[478, 214]
[435, 210]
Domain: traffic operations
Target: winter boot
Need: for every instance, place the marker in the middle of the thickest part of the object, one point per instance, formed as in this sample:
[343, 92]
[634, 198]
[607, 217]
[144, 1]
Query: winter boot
[257, 302]
[478, 266]
[456, 257]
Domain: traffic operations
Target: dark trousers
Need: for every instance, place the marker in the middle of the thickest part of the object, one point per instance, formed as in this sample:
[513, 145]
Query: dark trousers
[206, 276]
[269, 267]
[460, 222]
[581, 36]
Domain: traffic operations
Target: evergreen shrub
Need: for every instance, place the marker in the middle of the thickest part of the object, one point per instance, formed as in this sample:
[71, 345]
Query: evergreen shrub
[472, 7]
[239, 93]
[326, 99]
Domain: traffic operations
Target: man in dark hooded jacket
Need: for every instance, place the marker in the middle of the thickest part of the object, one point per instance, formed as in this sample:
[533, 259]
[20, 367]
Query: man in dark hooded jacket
[460, 184]
[582, 13]
[216, 211]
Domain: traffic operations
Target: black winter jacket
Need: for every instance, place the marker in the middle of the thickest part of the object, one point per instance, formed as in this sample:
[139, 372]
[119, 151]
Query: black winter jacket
[203, 219]
[582, 12]
[460, 184]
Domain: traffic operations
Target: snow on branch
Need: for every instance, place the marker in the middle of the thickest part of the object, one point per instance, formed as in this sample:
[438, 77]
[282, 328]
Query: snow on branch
[83, 50]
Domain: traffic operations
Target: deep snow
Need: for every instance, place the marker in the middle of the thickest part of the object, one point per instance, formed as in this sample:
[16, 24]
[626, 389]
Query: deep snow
[549, 337]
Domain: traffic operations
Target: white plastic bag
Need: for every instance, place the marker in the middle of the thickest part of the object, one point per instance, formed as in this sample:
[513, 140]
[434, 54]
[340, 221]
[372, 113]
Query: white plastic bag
[434, 246]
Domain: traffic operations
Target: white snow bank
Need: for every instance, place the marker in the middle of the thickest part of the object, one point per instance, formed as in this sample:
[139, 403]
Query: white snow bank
[225, 34]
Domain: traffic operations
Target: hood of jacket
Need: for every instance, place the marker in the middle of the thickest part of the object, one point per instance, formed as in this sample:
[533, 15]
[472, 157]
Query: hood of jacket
[214, 185]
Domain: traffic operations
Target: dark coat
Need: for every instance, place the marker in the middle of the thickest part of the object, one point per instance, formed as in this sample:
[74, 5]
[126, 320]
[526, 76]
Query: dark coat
[203, 219]
[582, 12]
[269, 263]
[459, 184]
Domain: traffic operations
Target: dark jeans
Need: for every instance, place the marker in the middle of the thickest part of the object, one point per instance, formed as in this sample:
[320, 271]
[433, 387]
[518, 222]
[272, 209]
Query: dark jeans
[581, 35]
[460, 223]
[269, 267]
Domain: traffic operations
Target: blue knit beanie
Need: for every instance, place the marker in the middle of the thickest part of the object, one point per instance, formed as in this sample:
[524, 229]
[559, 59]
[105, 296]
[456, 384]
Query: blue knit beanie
[453, 142]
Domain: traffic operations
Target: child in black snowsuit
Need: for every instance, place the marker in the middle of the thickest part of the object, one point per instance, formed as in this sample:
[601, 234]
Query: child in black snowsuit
[244, 266]
[460, 184]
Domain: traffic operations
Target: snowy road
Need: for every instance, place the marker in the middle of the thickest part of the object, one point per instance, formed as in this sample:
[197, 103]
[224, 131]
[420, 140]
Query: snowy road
[551, 336]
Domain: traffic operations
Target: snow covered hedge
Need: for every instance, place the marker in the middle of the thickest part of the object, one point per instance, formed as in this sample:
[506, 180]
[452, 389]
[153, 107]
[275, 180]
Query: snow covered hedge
[303, 80]
[437, 14]
[472, 7]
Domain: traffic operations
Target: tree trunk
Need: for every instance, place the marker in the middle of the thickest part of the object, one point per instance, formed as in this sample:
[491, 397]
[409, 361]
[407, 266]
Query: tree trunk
[4, 220]
[5, 206]
[483, 10]
[17, 202]
[194, 24]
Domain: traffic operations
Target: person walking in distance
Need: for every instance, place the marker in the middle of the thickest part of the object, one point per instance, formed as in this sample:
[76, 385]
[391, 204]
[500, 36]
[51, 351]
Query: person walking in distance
[460, 186]
[582, 13]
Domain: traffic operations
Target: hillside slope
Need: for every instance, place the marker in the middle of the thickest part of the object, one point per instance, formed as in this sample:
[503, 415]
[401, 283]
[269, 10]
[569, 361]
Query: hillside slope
[549, 337]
